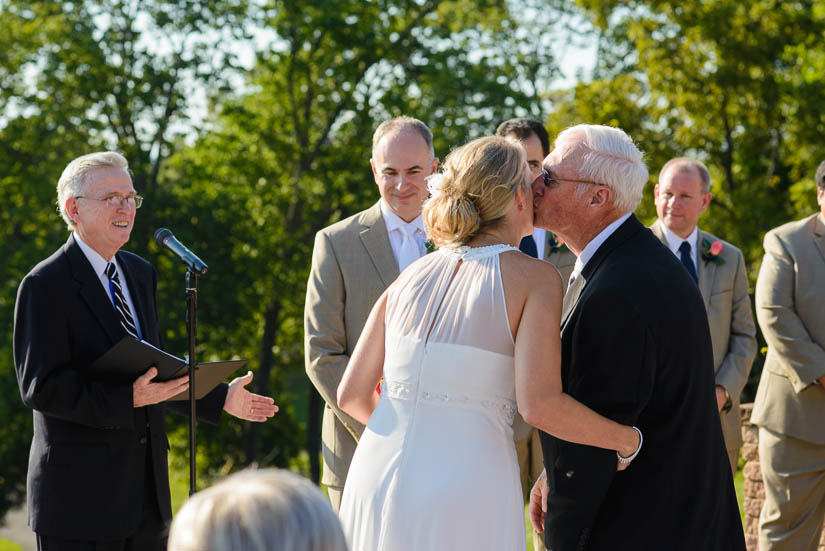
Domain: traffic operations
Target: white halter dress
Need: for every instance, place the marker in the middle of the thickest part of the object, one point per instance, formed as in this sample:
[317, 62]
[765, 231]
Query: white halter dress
[436, 466]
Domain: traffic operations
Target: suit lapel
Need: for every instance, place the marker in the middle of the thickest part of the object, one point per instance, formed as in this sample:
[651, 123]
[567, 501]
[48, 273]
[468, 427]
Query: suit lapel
[93, 292]
[628, 229]
[571, 297]
[819, 235]
[377, 242]
[548, 245]
[707, 269]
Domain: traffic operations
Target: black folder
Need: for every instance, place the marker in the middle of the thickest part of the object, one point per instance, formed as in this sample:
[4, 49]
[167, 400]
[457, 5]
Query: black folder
[131, 358]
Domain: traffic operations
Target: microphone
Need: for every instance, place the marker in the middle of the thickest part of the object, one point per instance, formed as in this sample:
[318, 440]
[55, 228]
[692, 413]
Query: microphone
[165, 239]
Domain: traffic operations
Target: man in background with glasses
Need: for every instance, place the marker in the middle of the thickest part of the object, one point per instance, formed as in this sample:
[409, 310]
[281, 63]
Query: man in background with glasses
[98, 475]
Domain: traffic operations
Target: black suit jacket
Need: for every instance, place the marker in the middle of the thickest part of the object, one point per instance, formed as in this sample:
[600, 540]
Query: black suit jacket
[636, 348]
[87, 472]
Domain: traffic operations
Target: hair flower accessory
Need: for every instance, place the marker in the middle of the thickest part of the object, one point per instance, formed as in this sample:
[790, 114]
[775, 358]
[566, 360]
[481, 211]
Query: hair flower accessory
[435, 183]
[711, 252]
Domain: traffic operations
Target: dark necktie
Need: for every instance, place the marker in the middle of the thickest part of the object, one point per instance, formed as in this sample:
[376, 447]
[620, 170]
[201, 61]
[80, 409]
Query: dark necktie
[528, 246]
[687, 261]
[119, 301]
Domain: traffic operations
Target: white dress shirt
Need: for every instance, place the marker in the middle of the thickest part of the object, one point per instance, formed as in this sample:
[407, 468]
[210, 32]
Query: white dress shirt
[395, 230]
[674, 242]
[593, 246]
[540, 237]
[99, 266]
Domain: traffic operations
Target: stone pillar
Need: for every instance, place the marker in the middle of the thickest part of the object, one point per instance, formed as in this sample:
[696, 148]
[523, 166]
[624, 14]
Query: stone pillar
[754, 487]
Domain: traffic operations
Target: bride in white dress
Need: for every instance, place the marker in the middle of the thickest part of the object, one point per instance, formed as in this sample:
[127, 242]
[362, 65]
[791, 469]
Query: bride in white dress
[463, 338]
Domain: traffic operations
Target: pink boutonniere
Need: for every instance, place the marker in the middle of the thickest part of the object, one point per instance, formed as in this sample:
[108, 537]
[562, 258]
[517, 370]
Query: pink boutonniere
[711, 252]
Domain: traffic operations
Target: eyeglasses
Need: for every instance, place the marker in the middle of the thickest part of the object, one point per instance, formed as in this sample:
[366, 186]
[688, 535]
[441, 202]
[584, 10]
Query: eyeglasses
[550, 180]
[115, 201]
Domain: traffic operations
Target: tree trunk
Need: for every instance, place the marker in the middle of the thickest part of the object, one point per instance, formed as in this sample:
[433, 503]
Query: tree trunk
[265, 361]
[315, 409]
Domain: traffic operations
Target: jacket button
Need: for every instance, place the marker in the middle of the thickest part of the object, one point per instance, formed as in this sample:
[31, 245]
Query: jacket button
[569, 474]
[142, 439]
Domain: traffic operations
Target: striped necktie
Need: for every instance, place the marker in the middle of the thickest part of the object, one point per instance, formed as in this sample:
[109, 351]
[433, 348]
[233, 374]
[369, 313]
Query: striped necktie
[119, 301]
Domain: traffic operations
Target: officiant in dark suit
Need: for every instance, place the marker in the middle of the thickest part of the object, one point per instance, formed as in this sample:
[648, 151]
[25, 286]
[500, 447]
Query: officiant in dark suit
[636, 348]
[97, 477]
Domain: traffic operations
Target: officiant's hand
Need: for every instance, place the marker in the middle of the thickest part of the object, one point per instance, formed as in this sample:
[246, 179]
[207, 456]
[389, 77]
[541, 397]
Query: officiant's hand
[246, 405]
[538, 502]
[146, 393]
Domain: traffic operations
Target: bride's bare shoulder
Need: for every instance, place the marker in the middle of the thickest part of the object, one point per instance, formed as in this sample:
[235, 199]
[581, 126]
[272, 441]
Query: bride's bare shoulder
[529, 271]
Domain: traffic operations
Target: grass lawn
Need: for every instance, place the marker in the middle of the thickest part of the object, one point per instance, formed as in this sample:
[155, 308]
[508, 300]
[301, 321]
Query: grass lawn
[6, 545]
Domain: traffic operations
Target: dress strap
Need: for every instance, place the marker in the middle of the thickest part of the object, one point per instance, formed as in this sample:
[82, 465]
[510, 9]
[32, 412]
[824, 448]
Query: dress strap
[468, 252]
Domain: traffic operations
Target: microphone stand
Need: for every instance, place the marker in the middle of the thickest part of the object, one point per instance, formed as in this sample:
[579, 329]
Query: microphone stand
[191, 324]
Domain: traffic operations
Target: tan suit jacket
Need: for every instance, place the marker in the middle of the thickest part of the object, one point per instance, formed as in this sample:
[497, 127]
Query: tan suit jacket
[790, 307]
[563, 260]
[352, 264]
[724, 289]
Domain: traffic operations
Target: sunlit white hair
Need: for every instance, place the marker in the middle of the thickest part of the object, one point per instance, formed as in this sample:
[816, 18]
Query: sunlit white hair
[255, 510]
[75, 178]
[610, 158]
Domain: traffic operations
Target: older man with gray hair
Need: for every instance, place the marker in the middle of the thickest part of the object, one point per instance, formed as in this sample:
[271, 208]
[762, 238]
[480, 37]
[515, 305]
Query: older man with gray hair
[98, 475]
[635, 348]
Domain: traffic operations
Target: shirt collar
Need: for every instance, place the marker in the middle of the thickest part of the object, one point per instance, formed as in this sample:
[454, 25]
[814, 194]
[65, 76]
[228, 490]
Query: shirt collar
[394, 222]
[98, 262]
[674, 241]
[594, 244]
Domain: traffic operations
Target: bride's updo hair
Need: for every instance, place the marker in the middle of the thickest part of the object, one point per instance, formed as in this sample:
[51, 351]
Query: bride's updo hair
[474, 190]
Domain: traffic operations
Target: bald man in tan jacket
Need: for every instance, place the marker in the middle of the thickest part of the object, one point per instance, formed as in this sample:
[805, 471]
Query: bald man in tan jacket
[790, 402]
[682, 195]
[353, 262]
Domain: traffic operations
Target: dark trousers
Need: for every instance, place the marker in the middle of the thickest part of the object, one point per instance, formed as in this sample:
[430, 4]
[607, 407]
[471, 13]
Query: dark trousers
[151, 534]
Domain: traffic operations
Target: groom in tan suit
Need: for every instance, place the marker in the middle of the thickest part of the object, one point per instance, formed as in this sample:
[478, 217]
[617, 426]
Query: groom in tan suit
[790, 403]
[353, 262]
[682, 195]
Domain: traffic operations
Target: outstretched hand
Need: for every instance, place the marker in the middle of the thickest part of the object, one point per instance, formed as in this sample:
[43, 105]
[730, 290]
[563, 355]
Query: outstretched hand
[146, 393]
[538, 502]
[246, 405]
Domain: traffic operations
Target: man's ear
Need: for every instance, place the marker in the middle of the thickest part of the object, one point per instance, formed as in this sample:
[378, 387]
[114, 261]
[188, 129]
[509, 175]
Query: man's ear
[71, 208]
[601, 196]
[706, 198]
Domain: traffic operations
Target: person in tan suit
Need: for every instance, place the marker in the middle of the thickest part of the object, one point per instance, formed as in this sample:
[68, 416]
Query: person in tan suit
[353, 262]
[533, 137]
[682, 195]
[790, 402]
